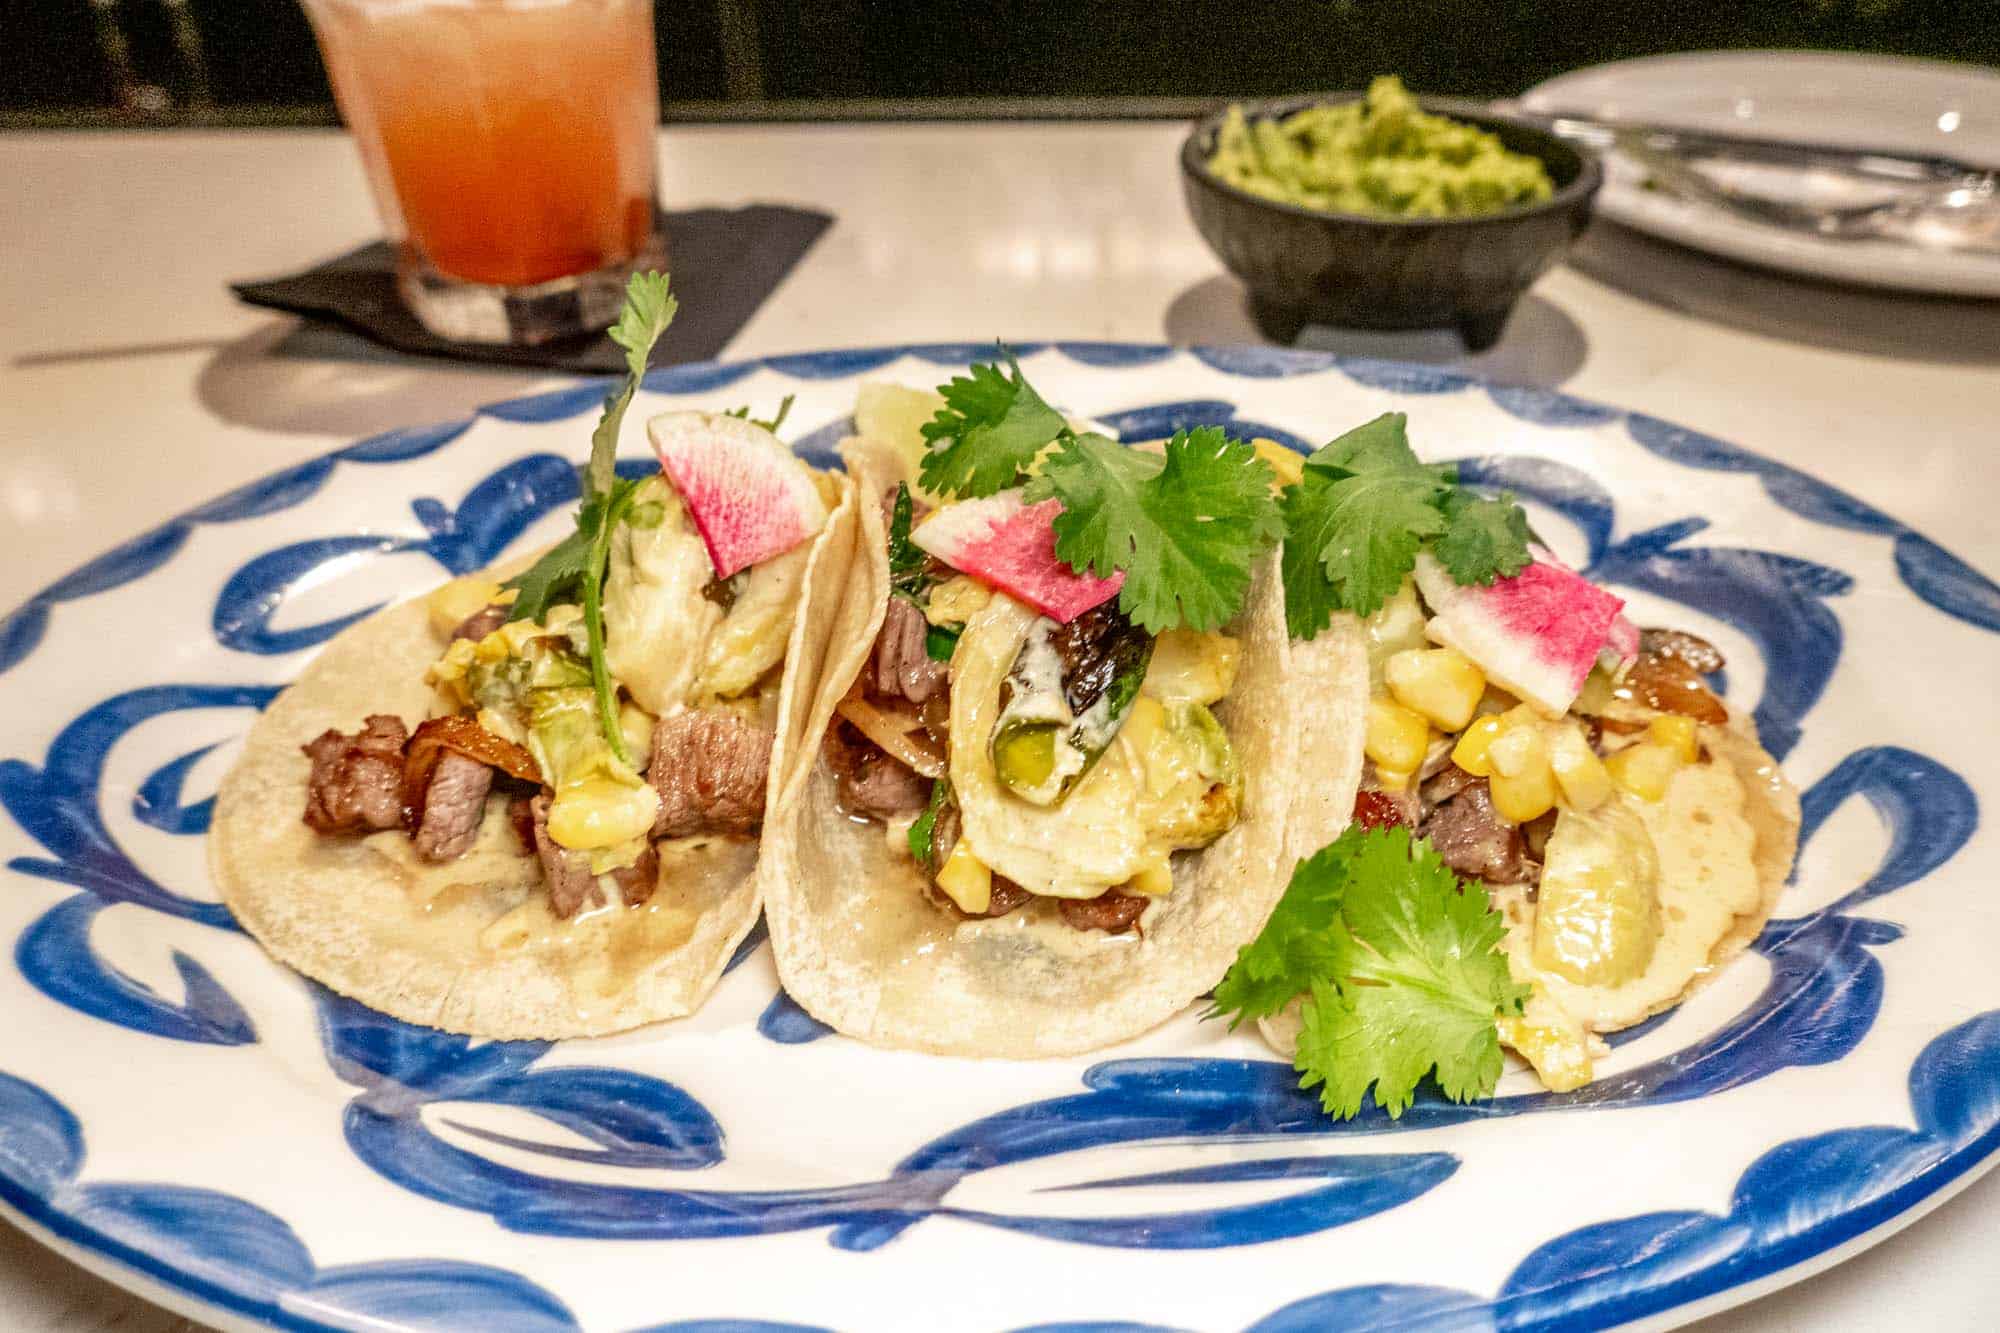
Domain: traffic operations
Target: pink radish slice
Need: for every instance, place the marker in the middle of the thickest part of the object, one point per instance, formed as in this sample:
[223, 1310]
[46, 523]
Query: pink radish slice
[1535, 635]
[1010, 545]
[749, 496]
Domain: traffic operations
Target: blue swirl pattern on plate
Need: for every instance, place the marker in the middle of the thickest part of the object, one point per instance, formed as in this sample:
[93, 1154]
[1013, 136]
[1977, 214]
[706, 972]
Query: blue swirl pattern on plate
[423, 1103]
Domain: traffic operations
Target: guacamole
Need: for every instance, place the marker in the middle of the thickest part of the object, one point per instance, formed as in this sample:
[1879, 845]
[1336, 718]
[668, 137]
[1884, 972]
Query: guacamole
[1382, 155]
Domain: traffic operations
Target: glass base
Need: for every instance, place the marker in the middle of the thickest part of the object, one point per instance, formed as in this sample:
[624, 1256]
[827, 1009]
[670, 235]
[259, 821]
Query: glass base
[473, 312]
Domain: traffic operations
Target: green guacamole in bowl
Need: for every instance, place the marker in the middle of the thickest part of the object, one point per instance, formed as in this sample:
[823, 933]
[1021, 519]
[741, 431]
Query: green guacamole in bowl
[1382, 156]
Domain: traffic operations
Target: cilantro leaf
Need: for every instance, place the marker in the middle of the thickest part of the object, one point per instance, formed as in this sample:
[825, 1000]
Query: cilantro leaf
[554, 579]
[1381, 445]
[1483, 539]
[1310, 597]
[1184, 526]
[573, 570]
[923, 833]
[1361, 510]
[1303, 940]
[907, 560]
[941, 641]
[649, 308]
[1377, 521]
[988, 432]
[1420, 988]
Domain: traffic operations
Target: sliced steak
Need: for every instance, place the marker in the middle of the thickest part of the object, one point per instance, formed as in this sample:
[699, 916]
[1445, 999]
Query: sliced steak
[356, 781]
[566, 873]
[709, 766]
[868, 783]
[481, 623]
[453, 807]
[1445, 785]
[447, 771]
[1472, 838]
[903, 666]
[1111, 911]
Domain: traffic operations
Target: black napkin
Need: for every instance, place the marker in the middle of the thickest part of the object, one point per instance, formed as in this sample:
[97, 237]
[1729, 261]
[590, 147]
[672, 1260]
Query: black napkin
[724, 261]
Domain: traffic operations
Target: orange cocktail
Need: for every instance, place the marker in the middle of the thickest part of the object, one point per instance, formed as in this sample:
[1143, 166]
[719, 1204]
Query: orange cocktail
[509, 142]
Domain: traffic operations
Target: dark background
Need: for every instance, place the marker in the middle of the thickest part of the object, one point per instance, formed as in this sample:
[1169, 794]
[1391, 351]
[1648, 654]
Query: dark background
[253, 61]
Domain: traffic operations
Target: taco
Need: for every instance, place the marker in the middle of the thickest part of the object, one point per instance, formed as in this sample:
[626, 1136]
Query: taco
[1624, 822]
[1017, 821]
[532, 810]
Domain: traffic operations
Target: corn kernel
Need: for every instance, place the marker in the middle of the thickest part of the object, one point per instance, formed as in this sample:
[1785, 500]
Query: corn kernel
[1579, 772]
[965, 879]
[1440, 683]
[1561, 1057]
[1645, 769]
[1287, 465]
[1397, 737]
[1524, 796]
[1394, 779]
[1522, 750]
[1473, 751]
[1676, 733]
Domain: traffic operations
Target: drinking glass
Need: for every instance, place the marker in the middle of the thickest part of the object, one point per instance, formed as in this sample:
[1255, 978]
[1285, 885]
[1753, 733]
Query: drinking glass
[509, 145]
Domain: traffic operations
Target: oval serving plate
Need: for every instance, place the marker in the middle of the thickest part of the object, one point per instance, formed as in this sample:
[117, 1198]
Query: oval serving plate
[179, 1111]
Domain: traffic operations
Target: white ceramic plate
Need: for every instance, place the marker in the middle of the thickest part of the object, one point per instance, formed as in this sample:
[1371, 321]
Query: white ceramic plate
[179, 1111]
[1917, 106]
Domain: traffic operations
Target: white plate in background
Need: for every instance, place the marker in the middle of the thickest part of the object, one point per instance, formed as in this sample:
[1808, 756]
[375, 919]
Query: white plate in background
[1918, 106]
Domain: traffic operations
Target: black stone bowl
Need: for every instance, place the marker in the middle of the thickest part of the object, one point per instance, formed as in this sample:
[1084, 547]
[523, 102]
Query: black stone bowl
[1306, 266]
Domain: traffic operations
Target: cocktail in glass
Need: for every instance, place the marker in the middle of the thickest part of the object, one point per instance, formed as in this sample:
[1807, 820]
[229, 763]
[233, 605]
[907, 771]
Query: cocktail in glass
[510, 145]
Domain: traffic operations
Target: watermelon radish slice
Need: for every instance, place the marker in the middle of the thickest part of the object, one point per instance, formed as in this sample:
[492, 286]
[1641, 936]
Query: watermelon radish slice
[1535, 635]
[1011, 545]
[749, 496]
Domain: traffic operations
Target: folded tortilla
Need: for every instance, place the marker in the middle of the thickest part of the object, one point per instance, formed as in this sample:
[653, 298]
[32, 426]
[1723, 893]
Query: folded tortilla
[470, 945]
[861, 947]
[1730, 860]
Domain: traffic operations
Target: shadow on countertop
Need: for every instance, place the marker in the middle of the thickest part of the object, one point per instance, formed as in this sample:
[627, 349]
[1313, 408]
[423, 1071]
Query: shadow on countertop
[303, 377]
[1940, 329]
[1541, 345]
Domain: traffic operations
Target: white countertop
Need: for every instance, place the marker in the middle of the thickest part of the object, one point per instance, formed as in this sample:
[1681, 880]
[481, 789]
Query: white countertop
[133, 386]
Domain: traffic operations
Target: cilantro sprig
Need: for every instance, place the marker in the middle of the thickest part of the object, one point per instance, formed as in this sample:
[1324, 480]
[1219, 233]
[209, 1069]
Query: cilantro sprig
[1183, 525]
[572, 571]
[1399, 964]
[988, 433]
[772, 423]
[1365, 506]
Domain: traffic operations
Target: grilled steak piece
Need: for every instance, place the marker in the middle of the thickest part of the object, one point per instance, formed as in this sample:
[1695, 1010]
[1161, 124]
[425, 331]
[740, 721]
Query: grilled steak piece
[448, 768]
[904, 667]
[1472, 838]
[1111, 911]
[709, 767]
[452, 808]
[1445, 785]
[566, 874]
[481, 623]
[356, 782]
[868, 783]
